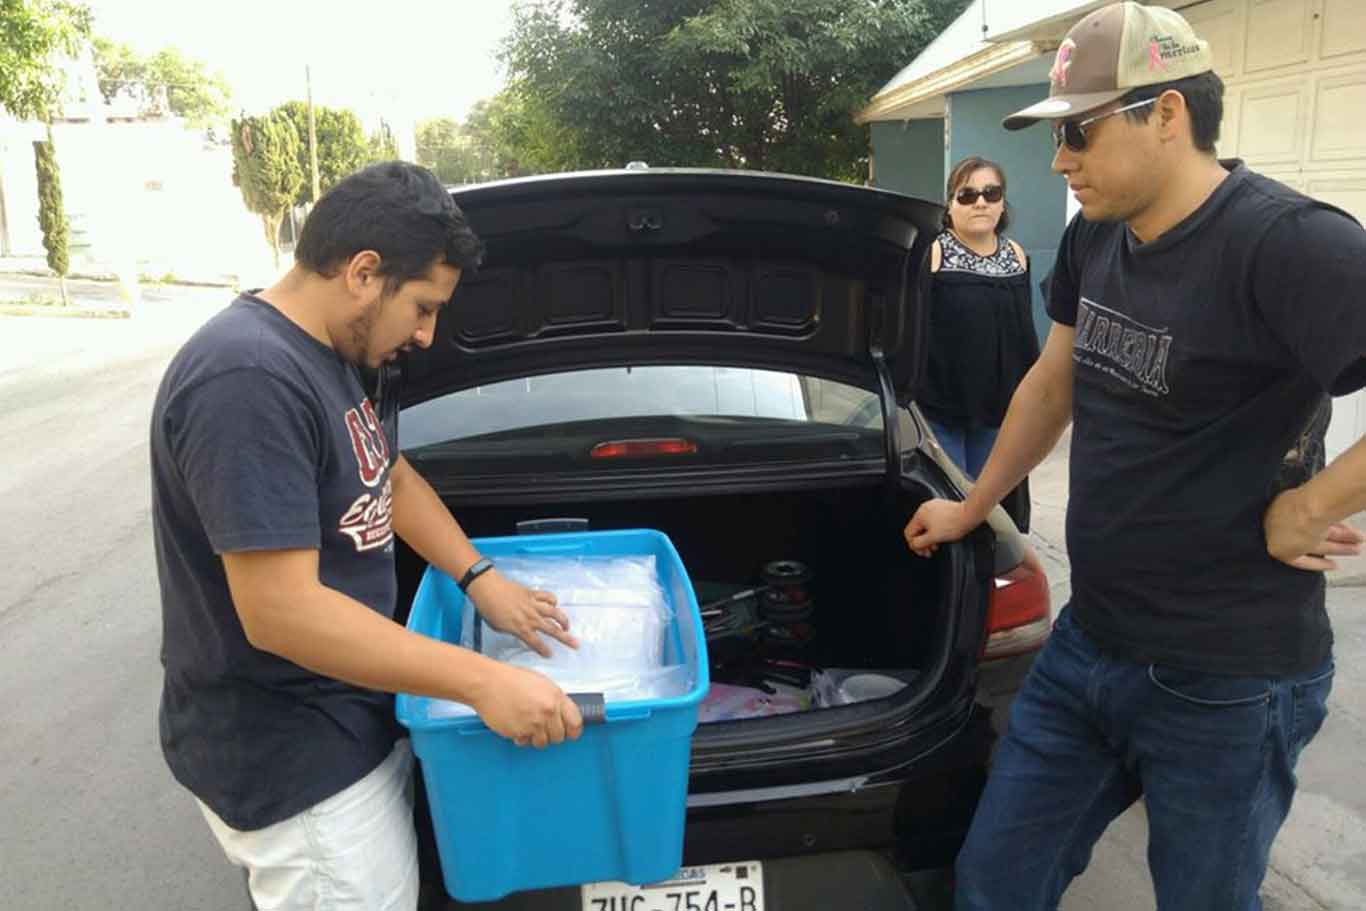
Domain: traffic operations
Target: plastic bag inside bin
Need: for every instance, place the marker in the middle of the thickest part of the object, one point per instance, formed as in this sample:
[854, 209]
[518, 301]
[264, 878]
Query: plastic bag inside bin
[617, 611]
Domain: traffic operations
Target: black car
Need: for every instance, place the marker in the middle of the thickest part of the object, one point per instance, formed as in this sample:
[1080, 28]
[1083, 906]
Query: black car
[732, 358]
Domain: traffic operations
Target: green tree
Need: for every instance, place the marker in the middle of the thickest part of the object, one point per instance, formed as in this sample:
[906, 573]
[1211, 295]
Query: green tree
[764, 84]
[464, 153]
[342, 146]
[191, 90]
[119, 69]
[167, 82]
[265, 165]
[517, 133]
[443, 147]
[383, 145]
[33, 34]
[51, 211]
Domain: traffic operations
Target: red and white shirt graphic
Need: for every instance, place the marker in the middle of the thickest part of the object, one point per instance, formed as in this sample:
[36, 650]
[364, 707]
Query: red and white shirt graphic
[368, 521]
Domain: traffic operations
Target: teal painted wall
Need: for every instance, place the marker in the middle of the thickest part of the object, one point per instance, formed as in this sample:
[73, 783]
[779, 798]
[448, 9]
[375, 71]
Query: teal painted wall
[1037, 197]
[908, 157]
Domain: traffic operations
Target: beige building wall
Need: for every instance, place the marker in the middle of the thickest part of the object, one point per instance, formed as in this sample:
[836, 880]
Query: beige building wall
[153, 195]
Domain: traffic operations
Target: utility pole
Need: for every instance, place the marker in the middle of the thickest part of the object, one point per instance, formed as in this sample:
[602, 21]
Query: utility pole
[312, 135]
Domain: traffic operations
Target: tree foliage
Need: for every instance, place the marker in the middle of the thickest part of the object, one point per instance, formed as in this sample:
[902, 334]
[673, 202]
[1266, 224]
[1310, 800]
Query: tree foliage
[33, 36]
[51, 211]
[449, 150]
[342, 144]
[383, 145]
[166, 82]
[764, 84]
[192, 90]
[519, 133]
[265, 165]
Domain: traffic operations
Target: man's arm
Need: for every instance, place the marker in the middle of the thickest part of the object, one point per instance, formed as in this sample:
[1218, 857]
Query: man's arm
[1307, 282]
[424, 523]
[1304, 525]
[287, 611]
[427, 526]
[1039, 412]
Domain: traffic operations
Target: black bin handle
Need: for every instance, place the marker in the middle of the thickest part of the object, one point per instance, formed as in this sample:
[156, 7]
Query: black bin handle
[551, 526]
[592, 706]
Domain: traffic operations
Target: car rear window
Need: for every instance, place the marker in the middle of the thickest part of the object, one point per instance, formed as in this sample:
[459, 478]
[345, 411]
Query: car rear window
[565, 409]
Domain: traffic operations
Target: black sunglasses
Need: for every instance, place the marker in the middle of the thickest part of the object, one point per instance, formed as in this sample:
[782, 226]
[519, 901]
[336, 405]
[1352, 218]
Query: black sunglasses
[967, 196]
[1072, 133]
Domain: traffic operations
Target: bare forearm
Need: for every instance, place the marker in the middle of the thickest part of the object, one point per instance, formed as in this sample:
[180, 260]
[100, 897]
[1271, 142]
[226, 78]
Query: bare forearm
[333, 635]
[427, 526]
[1038, 414]
[1339, 491]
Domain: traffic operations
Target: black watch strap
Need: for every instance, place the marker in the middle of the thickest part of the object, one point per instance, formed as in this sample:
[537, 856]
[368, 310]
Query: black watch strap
[481, 566]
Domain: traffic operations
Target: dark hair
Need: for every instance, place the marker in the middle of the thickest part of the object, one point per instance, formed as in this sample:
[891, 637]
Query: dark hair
[399, 210]
[961, 174]
[1204, 96]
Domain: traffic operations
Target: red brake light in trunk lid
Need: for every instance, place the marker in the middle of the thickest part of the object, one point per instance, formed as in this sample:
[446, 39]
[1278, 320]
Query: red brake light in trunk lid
[635, 449]
[1018, 614]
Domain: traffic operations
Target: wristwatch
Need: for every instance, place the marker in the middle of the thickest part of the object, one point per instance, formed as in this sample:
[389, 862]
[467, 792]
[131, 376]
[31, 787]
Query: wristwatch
[481, 566]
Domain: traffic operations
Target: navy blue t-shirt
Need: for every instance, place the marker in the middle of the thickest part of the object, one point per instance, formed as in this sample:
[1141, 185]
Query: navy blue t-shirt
[263, 438]
[1201, 363]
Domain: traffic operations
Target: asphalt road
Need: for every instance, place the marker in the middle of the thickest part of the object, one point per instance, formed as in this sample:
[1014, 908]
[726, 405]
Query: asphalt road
[89, 816]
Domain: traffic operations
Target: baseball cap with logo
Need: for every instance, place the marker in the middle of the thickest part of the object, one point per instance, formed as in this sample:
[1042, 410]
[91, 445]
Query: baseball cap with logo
[1112, 51]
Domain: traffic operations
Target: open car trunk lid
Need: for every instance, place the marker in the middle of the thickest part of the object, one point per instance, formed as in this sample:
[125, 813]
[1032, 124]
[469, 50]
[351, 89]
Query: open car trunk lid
[675, 267]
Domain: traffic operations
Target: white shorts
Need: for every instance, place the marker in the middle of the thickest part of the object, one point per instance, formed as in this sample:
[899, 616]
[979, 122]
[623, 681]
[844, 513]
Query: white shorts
[354, 851]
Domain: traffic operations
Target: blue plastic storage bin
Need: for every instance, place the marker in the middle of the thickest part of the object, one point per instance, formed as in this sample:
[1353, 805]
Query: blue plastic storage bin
[609, 806]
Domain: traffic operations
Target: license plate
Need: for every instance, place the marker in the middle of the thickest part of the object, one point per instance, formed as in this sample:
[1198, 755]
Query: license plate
[719, 887]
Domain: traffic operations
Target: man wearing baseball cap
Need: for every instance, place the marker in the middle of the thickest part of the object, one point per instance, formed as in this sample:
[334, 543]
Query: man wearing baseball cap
[1203, 314]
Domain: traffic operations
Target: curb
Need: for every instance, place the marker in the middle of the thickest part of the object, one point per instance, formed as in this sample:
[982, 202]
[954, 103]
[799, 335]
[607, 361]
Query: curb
[71, 276]
[194, 283]
[65, 312]
[110, 278]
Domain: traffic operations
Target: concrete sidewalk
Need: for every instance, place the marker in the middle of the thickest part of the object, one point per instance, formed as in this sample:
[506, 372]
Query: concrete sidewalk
[1319, 860]
[1048, 495]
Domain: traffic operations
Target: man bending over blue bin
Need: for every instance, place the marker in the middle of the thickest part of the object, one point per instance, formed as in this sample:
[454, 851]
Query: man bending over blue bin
[277, 490]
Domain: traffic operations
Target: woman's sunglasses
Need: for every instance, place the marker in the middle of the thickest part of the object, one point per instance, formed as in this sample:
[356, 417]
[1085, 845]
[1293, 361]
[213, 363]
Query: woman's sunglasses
[1072, 133]
[967, 196]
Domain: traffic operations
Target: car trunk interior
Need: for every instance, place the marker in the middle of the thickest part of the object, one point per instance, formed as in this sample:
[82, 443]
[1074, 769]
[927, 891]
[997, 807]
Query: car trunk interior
[871, 605]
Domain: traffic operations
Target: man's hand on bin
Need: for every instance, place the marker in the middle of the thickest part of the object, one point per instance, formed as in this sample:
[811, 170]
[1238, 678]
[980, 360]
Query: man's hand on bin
[527, 708]
[510, 607]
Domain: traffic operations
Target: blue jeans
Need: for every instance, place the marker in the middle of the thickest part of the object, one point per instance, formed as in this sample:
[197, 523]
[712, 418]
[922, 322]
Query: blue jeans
[967, 444]
[1213, 757]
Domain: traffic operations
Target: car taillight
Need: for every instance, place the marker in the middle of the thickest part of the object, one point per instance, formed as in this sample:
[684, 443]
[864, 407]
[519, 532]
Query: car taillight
[1018, 611]
[634, 449]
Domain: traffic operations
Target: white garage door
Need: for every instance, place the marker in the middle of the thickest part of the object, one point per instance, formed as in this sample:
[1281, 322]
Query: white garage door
[1296, 110]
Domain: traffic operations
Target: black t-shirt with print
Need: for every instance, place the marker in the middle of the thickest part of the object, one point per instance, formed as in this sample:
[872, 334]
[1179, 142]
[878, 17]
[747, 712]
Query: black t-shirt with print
[1200, 359]
[264, 439]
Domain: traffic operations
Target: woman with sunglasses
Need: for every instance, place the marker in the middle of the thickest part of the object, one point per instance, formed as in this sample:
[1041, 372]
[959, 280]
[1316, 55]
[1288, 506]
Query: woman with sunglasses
[981, 323]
